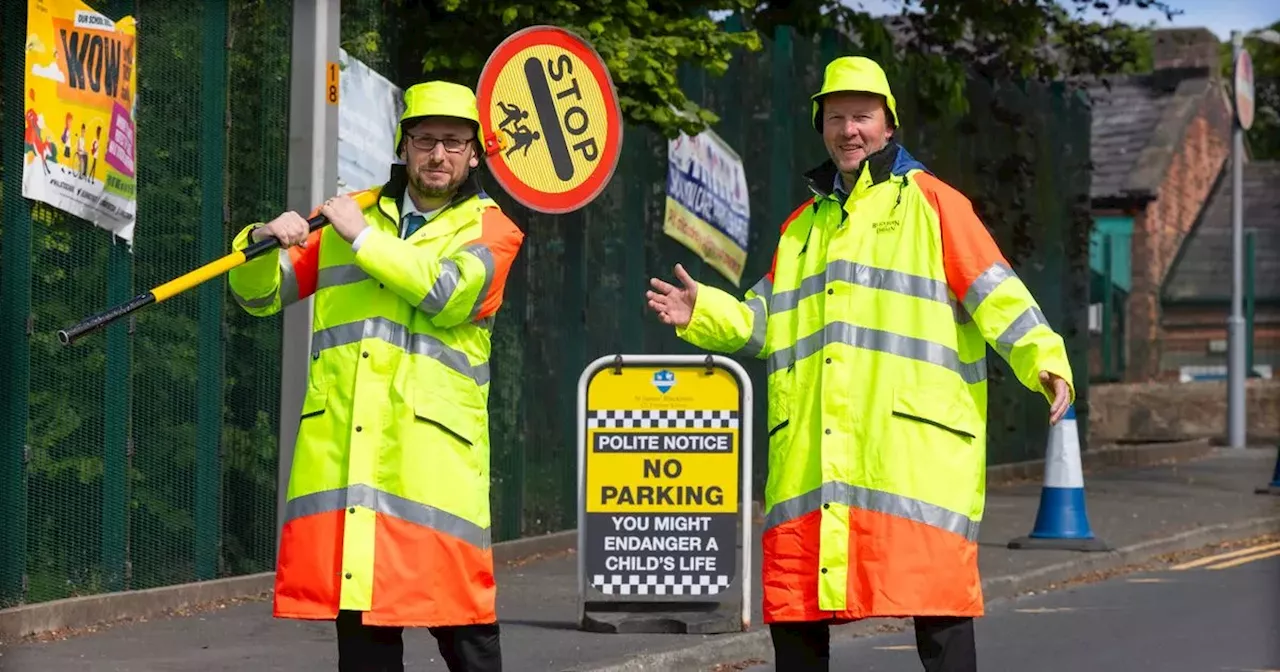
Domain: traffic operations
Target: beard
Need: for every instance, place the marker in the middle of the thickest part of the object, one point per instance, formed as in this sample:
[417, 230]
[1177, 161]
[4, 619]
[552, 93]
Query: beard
[429, 185]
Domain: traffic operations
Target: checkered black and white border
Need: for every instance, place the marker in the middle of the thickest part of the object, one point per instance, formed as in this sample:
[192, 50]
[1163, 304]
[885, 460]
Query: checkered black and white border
[651, 584]
[663, 419]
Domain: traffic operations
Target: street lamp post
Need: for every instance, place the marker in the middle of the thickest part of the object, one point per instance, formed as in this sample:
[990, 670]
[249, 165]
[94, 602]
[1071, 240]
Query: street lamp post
[1242, 119]
[1235, 323]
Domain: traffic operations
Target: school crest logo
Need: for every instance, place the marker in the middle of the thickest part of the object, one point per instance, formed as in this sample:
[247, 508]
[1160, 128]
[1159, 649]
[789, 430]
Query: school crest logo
[664, 380]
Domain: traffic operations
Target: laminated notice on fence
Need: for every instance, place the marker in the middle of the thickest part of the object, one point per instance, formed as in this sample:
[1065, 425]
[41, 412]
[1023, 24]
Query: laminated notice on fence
[368, 111]
[662, 447]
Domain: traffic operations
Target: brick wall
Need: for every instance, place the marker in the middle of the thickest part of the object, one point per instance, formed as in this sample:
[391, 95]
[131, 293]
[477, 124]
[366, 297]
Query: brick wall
[1188, 330]
[1160, 228]
[1159, 411]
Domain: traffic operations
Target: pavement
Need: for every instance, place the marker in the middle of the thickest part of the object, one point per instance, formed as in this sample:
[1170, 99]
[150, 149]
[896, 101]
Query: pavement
[1217, 612]
[1143, 513]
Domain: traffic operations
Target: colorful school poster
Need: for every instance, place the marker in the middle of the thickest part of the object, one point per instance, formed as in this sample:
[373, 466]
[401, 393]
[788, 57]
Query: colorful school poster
[79, 90]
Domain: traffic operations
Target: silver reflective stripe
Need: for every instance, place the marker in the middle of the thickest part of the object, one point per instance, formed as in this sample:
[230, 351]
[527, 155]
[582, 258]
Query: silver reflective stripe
[382, 329]
[422, 344]
[962, 316]
[485, 255]
[985, 284]
[260, 302]
[790, 299]
[755, 344]
[880, 341]
[346, 274]
[872, 500]
[443, 288]
[487, 323]
[804, 347]
[288, 280]
[888, 280]
[345, 334]
[863, 276]
[392, 505]
[1028, 320]
[763, 288]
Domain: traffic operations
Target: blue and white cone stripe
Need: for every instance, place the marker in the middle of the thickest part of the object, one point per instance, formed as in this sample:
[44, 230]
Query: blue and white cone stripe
[1062, 460]
[1062, 512]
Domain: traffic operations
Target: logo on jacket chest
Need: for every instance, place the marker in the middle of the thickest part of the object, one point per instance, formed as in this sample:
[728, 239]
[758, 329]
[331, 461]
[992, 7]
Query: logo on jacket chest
[887, 225]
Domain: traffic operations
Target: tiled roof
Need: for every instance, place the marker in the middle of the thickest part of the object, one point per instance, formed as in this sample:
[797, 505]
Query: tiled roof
[1138, 123]
[1204, 270]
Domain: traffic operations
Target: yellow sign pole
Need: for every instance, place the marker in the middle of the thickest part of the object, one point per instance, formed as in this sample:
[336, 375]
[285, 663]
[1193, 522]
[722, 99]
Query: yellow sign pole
[664, 494]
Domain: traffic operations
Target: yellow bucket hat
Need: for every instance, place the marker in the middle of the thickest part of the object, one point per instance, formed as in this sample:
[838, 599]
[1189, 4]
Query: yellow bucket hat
[855, 73]
[438, 98]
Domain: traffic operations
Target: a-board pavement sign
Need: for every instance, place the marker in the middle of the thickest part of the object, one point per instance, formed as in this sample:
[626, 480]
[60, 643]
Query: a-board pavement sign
[664, 494]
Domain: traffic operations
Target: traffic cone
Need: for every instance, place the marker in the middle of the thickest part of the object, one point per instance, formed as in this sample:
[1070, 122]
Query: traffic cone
[1272, 488]
[1062, 523]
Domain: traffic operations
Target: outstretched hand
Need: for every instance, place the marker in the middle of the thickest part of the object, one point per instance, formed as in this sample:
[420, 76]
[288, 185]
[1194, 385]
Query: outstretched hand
[1061, 395]
[674, 305]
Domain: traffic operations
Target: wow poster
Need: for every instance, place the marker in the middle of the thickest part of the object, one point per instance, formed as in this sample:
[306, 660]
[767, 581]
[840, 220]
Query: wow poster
[80, 86]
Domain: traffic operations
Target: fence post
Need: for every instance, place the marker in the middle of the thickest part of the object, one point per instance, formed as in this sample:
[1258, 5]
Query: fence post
[313, 176]
[1108, 305]
[15, 311]
[209, 339]
[782, 144]
[635, 194]
[573, 352]
[117, 404]
[1249, 301]
[116, 424]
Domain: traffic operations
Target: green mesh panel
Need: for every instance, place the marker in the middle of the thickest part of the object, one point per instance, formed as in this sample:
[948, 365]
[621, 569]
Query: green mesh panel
[145, 455]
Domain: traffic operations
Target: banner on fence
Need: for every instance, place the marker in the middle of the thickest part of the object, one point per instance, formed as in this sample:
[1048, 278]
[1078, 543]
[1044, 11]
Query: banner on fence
[368, 111]
[707, 207]
[79, 88]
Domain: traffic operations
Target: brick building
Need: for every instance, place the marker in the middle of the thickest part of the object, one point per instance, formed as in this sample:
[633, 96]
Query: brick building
[1160, 142]
[1196, 297]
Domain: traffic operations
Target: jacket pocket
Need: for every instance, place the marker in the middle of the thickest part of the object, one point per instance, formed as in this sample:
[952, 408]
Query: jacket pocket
[778, 413]
[315, 400]
[465, 422]
[949, 411]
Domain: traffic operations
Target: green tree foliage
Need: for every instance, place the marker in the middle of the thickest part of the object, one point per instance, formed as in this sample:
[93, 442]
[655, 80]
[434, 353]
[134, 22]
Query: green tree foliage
[1263, 138]
[641, 40]
[946, 40]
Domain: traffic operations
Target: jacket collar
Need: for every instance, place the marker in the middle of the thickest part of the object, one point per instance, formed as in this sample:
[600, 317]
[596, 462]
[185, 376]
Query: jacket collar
[876, 168]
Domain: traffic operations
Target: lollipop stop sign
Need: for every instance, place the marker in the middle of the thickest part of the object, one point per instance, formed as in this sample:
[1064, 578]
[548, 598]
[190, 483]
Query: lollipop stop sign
[551, 117]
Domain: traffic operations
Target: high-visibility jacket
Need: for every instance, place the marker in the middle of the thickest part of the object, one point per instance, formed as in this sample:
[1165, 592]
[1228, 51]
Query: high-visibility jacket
[388, 501]
[874, 321]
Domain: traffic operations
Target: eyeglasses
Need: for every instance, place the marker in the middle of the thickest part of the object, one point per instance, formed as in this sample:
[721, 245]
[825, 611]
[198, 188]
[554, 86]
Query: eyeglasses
[427, 143]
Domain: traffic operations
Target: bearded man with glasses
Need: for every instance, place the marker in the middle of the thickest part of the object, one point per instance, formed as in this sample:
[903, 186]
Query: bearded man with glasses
[387, 513]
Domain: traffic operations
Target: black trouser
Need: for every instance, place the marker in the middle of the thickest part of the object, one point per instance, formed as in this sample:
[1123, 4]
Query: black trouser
[945, 644]
[380, 648]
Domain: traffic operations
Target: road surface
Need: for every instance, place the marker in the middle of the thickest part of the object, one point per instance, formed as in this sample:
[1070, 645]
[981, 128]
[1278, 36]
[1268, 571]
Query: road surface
[1219, 613]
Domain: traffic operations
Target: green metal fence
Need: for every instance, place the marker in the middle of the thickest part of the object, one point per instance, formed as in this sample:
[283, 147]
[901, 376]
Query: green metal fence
[146, 456]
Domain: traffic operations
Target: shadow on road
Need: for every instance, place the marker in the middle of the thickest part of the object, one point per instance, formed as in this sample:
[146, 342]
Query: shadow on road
[545, 625]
